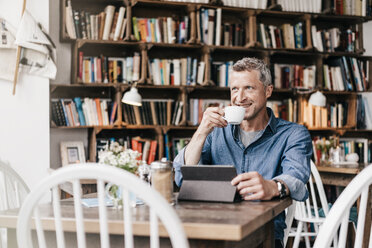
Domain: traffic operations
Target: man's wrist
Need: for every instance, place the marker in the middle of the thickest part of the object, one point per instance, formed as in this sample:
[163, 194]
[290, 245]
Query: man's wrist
[274, 187]
[281, 189]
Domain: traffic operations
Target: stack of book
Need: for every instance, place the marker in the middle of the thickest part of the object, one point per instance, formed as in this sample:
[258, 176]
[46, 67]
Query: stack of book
[253, 4]
[334, 115]
[346, 74]
[198, 106]
[212, 31]
[163, 112]
[161, 29]
[286, 109]
[109, 24]
[334, 39]
[288, 76]
[285, 36]
[182, 71]
[314, 6]
[103, 69]
[220, 73]
[87, 112]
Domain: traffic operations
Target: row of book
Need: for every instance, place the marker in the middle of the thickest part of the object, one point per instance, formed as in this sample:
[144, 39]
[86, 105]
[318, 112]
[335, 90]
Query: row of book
[220, 73]
[285, 109]
[147, 147]
[334, 39]
[314, 6]
[161, 29]
[105, 69]
[187, 1]
[198, 106]
[83, 112]
[212, 31]
[348, 7]
[182, 71]
[346, 74]
[294, 76]
[154, 112]
[334, 115]
[109, 24]
[284, 36]
[253, 4]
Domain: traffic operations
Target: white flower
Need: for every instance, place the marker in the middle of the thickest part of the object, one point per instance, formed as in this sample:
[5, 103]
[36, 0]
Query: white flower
[117, 155]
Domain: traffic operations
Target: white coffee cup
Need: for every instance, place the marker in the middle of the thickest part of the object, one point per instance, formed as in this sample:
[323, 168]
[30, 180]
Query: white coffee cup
[234, 114]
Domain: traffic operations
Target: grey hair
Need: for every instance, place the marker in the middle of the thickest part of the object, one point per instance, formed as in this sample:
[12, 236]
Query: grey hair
[249, 64]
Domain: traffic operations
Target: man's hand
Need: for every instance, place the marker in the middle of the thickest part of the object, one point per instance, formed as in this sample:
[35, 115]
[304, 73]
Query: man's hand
[212, 118]
[252, 186]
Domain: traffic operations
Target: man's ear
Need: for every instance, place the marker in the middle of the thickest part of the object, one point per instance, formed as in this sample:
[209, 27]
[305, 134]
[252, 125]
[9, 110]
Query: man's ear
[269, 90]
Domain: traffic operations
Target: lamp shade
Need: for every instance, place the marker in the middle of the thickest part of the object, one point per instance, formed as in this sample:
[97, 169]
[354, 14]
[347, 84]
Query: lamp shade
[318, 99]
[132, 97]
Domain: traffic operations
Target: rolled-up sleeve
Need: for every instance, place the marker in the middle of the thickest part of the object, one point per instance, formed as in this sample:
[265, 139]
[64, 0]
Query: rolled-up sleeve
[179, 160]
[296, 163]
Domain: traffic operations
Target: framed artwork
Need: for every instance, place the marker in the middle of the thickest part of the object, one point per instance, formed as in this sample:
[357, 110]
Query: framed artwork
[72, 152]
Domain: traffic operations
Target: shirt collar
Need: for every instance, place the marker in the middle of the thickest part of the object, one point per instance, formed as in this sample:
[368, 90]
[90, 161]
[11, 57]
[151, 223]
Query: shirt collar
[271, 125]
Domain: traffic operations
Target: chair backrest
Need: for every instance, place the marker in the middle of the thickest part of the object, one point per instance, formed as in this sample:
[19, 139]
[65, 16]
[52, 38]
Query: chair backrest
[309, 210]
[13, 190]
[159, 207]
[338, 217]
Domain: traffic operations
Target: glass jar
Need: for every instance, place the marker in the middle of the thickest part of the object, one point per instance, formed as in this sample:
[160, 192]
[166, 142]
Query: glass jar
[162, 178]
[144, 171]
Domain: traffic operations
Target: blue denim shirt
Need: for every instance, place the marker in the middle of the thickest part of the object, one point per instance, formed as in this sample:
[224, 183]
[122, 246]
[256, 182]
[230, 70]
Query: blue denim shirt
[282, 151]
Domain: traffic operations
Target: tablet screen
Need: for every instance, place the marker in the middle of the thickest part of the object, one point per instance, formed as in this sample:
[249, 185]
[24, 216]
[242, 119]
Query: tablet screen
[208, 172]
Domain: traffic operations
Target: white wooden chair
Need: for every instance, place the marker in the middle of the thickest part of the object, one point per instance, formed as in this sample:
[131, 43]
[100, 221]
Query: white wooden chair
[338, 217]
[159, 207]
[289, 215]
[308, 211]
[13, 190]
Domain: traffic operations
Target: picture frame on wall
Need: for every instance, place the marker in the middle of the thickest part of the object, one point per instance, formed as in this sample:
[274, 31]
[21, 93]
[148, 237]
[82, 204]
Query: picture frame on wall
[72, 152]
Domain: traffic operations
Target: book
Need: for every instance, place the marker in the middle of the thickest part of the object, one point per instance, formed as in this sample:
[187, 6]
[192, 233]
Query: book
[70, 26]
[136, 66]
[120, 22]
[109, 16]
[113, 112]
[152, 152]
[113, 25]
[77, 24]
[79, 108]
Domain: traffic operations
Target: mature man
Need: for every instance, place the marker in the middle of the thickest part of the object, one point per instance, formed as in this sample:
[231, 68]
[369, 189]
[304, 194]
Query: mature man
[271, 155]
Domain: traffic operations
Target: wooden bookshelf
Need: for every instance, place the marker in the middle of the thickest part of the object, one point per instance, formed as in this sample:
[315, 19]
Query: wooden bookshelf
[248, 19]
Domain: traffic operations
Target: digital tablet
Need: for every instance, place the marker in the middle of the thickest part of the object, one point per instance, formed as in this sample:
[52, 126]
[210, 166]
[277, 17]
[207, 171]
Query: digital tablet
[208, 183]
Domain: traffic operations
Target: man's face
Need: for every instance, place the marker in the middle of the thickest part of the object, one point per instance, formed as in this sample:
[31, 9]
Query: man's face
[248, 91]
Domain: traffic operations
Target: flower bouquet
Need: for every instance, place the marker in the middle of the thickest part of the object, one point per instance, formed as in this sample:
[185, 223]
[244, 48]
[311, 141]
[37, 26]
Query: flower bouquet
[123, 158]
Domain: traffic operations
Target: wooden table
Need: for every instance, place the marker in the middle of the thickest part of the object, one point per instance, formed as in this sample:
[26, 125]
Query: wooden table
[244, 224]
[341, 176]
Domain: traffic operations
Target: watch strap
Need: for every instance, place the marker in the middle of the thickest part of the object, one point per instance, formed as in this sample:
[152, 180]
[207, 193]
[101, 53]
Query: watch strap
[281, 189]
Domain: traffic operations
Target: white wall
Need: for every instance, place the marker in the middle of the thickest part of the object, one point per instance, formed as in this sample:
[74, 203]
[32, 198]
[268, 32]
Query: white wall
[24, 117]
[63, 77]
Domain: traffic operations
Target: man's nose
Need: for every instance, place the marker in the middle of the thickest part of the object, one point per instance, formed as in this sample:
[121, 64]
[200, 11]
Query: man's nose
[240, 96]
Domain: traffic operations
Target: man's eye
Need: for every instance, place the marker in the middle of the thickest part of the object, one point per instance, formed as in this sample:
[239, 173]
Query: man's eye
[234, 89]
